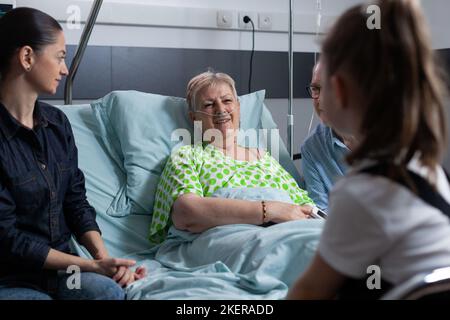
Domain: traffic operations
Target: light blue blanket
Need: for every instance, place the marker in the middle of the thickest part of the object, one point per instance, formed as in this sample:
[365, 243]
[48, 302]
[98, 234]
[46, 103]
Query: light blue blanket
[229, 262]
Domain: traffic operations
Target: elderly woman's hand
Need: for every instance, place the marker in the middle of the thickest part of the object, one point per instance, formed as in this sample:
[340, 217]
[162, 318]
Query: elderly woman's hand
[279, 212]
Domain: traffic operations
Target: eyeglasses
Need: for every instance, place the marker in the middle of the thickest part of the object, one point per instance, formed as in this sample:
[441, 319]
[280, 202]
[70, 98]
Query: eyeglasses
[313, 91]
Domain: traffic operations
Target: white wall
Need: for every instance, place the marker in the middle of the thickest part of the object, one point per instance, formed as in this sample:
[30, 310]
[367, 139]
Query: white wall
[437, 14]
[192, 23]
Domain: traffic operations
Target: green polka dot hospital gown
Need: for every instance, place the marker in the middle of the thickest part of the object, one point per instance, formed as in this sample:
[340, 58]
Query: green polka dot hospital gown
[203, 169]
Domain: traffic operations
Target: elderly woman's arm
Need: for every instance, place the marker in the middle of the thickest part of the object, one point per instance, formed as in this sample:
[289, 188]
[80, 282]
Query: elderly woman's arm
[182, 197]
[197, 214]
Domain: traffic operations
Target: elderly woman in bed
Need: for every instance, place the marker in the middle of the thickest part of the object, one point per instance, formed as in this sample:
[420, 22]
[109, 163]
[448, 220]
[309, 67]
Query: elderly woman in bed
[194, 173]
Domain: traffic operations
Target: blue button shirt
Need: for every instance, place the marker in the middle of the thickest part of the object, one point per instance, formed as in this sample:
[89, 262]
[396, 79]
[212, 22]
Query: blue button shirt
[42, 192]
[323, 162]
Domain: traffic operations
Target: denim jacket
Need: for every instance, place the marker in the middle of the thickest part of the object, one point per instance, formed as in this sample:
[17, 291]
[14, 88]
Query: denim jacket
[42, 192]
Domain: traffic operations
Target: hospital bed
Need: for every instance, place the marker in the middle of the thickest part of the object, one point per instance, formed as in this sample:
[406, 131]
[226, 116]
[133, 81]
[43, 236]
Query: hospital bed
[123, 141]
[106, 174]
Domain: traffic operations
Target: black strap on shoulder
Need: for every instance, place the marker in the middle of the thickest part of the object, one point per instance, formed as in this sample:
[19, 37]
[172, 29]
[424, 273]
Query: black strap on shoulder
[356, 289]
[423, 188]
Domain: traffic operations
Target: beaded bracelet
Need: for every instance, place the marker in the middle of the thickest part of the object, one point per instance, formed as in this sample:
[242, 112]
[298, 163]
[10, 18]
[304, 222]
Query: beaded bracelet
[264, 210]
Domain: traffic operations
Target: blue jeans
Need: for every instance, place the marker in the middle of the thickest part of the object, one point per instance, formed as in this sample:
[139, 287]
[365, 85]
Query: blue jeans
[93, 286]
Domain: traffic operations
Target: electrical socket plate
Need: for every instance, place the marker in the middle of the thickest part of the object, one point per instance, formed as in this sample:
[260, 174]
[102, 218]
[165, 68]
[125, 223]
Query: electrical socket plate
[242, 24]
[265, 21]
[224, 19]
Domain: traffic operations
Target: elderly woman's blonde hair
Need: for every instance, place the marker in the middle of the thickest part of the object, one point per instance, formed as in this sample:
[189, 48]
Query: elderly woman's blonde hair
[205, 80]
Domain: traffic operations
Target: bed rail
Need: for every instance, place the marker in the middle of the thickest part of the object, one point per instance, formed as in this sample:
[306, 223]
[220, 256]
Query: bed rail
[80, 50]
[290, 119]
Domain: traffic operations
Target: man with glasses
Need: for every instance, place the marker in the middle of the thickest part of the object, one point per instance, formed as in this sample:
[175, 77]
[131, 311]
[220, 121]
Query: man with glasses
[323, 152]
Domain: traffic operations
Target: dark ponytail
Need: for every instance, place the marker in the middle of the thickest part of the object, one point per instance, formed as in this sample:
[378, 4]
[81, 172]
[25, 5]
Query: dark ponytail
[24, 27]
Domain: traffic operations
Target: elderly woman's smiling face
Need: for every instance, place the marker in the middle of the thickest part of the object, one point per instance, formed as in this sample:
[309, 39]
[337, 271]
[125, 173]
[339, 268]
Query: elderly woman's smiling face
[218, 108]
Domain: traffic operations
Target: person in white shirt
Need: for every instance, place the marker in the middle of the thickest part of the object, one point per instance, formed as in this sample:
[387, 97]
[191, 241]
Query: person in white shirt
[383, 86]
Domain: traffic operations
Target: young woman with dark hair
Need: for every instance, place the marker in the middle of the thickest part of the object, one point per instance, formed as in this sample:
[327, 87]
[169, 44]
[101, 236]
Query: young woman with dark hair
[42, 192]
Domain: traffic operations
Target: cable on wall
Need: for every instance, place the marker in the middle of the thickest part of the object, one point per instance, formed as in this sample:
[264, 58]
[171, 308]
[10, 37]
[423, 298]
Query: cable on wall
[247, 19]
